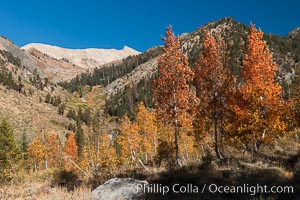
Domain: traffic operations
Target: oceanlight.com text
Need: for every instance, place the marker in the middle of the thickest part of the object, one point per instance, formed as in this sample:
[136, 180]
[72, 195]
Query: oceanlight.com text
[250, 189]
[214, 189]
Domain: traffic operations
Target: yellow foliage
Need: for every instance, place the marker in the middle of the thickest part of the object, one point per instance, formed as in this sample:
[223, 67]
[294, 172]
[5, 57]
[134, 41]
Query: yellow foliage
[36, 152]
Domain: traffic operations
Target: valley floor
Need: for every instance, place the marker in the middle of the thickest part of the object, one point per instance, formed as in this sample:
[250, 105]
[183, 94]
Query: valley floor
[276, 165]
[43, 191]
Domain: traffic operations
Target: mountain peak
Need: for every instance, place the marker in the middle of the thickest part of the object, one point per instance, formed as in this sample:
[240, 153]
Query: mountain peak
[85, 58]
[127, 48]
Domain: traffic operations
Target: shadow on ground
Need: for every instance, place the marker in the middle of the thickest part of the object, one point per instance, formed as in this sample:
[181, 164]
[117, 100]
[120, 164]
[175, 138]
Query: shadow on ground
[248, 174]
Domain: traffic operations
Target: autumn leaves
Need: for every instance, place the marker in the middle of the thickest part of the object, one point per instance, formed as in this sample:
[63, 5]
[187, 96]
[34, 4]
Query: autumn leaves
[206, 108]
[215, 89]
[261, 112]
[138, 141]
[171, 89]
[243, 114]
[47, 151]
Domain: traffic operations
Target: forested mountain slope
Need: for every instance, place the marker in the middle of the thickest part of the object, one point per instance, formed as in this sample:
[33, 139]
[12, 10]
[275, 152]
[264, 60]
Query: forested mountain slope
[126, 85]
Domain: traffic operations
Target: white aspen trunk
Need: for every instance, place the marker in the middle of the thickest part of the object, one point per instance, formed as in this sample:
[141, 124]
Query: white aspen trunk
[78, 167]
[176, 131]
[35, 167]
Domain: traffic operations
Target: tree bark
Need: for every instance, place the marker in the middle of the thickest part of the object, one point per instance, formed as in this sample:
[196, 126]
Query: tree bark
[216, 134]
[176, 128]
[176, 133]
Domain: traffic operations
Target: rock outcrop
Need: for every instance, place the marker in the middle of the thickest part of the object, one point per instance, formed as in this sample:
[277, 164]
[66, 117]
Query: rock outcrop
[119, 188]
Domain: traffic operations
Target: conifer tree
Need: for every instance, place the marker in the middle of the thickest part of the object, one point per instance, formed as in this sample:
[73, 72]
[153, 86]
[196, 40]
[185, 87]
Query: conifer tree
[48, 98]
[86, 116]
[79, 114]
[56, 101]
[71, 114]
[24, 145]
[96, 121]
[79, 137]
[9, 150]
[61, 109]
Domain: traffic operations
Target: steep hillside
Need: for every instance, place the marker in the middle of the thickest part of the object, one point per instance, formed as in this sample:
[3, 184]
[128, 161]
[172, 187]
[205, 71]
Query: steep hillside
[285, 52]
[129, 81]
[119, 79]
[108, 73]
[27, 78]
[29, 115]
[23, 60]
[23, 90]
[61, 64]
[123, 94]
[56, 70]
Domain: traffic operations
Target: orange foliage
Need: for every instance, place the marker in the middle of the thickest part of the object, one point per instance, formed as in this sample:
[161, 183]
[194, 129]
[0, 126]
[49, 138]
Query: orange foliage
[45, 150]
[260, 105]
[54, 150]
[71, 148]
[171, 90]
[215, 87]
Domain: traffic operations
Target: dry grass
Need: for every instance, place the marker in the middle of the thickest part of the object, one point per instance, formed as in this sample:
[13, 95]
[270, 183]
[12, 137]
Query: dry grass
[276, 164]
[42, 190]
[26, 114]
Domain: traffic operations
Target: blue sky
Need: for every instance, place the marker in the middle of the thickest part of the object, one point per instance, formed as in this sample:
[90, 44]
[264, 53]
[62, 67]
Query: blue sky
[136, 23]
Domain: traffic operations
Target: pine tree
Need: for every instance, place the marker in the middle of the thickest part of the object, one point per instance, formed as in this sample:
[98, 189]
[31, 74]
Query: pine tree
[24, 146]
[171, 89]
[9, 151]
[86, 116]
[80, 140]
[71, 114]
[46, 81]
[56, 101]
[71, 127]
[48, 98]
[80, 114]
[96, 132]
[61, 109]
[96, 121]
